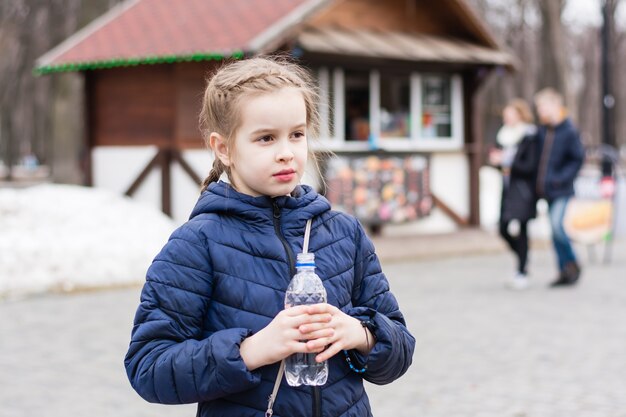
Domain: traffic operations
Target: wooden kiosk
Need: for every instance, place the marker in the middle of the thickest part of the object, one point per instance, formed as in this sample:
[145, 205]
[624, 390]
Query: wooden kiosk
[398, 79]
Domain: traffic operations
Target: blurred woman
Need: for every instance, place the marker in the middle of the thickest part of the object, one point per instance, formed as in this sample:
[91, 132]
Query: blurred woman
[517, 156]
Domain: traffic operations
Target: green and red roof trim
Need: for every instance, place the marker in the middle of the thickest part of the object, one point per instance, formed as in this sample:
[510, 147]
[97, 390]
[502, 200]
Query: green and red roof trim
[144, 32]
[131, 62]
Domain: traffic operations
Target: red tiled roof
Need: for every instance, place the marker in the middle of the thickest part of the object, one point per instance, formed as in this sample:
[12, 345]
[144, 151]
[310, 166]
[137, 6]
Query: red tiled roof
[141, 31]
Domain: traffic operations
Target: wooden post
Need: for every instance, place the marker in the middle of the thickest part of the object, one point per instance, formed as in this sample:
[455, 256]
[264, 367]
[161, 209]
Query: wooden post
[10, 155]
[164, 159]
[473, 146]
[166, 181]
[156, 160]
[178, 157]
[87, 157]
[460, 221]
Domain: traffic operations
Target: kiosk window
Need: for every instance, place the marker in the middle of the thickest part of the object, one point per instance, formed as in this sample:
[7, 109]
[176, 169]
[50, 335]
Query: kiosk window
[395, 105]
[393, 110]
[436, 107]
[357, 98]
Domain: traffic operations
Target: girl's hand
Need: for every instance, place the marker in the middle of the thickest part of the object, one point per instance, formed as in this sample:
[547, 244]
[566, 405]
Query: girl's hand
[348, 333]
[284, 336]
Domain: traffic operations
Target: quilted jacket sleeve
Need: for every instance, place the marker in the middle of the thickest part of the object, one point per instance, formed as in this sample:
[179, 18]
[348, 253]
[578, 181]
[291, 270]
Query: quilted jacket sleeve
[168, 360]
[372, 300]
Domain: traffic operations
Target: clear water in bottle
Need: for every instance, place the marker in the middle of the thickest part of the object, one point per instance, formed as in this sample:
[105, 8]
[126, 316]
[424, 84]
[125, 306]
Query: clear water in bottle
[305, 288]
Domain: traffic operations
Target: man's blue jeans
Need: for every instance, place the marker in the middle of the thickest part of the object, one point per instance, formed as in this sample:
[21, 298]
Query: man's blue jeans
[560, 240]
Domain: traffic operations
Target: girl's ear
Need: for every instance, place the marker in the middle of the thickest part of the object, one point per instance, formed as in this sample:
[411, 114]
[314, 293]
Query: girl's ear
[220, 148]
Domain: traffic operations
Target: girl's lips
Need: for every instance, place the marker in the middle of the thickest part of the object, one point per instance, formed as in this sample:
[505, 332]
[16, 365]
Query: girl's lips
[285, 175]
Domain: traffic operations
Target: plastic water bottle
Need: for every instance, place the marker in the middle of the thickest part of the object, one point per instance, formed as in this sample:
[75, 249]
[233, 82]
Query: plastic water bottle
[305, 288]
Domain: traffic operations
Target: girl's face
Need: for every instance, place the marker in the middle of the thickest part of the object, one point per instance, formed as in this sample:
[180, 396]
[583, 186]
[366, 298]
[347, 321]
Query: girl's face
[269, 152]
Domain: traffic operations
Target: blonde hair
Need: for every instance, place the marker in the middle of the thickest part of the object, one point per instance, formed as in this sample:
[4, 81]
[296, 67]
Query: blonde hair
[522, 108]
[221, 109]
[549, 94]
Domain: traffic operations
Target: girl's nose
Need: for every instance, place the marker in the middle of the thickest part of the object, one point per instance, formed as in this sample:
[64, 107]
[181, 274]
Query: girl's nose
[284, 153]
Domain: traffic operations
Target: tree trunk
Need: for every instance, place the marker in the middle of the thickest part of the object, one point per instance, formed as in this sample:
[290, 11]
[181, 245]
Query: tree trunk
[553, 60]
[41, 115]
[620, 89]
[608, 72]
[588, 117]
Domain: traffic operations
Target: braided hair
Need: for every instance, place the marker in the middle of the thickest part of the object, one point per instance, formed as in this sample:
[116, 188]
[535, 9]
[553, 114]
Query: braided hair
[230, 84]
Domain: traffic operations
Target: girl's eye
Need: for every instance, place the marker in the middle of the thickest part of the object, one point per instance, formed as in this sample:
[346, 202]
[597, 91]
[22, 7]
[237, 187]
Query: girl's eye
[266, 138]
[298, 134]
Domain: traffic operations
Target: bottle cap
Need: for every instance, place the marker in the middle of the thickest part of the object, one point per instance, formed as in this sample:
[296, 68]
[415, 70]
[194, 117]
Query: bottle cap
[305, 259]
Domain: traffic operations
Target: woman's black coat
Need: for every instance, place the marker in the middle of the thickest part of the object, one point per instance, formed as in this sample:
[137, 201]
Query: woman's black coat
[519, 196]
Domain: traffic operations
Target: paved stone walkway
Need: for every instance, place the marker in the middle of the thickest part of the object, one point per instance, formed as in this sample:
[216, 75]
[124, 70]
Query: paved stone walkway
[482, 350]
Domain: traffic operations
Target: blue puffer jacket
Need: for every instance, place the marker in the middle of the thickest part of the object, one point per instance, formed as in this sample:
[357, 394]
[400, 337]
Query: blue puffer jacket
[222, 276]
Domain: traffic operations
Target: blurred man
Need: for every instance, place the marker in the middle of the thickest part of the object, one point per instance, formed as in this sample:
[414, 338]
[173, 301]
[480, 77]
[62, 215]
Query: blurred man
[561, 156]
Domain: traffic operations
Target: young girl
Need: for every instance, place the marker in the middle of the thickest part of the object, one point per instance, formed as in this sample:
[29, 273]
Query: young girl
[211, 327]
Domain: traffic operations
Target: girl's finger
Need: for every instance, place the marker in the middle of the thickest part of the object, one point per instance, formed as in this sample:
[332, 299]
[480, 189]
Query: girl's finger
[322, 342]
[328, 353]
[303, 347]
[321, 308]
[311, 318]
[319, 334]
[312, 327]
[295, 310]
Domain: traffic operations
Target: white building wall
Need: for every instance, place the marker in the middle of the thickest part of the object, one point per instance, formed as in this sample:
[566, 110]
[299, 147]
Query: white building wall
[185, 191]
[115, 168]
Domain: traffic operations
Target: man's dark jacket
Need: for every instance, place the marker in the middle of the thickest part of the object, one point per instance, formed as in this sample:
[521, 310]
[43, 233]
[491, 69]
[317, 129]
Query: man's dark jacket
[222, 276]
[565, 155]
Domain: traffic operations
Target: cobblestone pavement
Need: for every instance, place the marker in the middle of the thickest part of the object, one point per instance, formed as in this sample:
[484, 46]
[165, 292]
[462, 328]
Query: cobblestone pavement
[482, 350]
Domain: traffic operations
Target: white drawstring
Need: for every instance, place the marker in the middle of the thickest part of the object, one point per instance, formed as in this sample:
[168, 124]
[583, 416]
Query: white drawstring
[281, 369]
[307, 234]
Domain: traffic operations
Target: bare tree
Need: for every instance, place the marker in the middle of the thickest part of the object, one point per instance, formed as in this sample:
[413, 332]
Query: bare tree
[620, 87]
[41, 115]
[552, 55]
[587, 61]
[554, 66]
[608, 71]
[514, 24]
[11, 13]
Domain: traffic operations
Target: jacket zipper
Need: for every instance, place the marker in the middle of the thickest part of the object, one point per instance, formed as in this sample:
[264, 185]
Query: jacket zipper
[317, 398]
[290, 257]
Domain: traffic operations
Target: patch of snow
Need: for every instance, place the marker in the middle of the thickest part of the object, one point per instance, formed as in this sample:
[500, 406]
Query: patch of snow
[62, 237]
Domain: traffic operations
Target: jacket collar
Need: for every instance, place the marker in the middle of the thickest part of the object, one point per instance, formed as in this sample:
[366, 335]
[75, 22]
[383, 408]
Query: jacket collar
[221, 198]
[563, 123]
